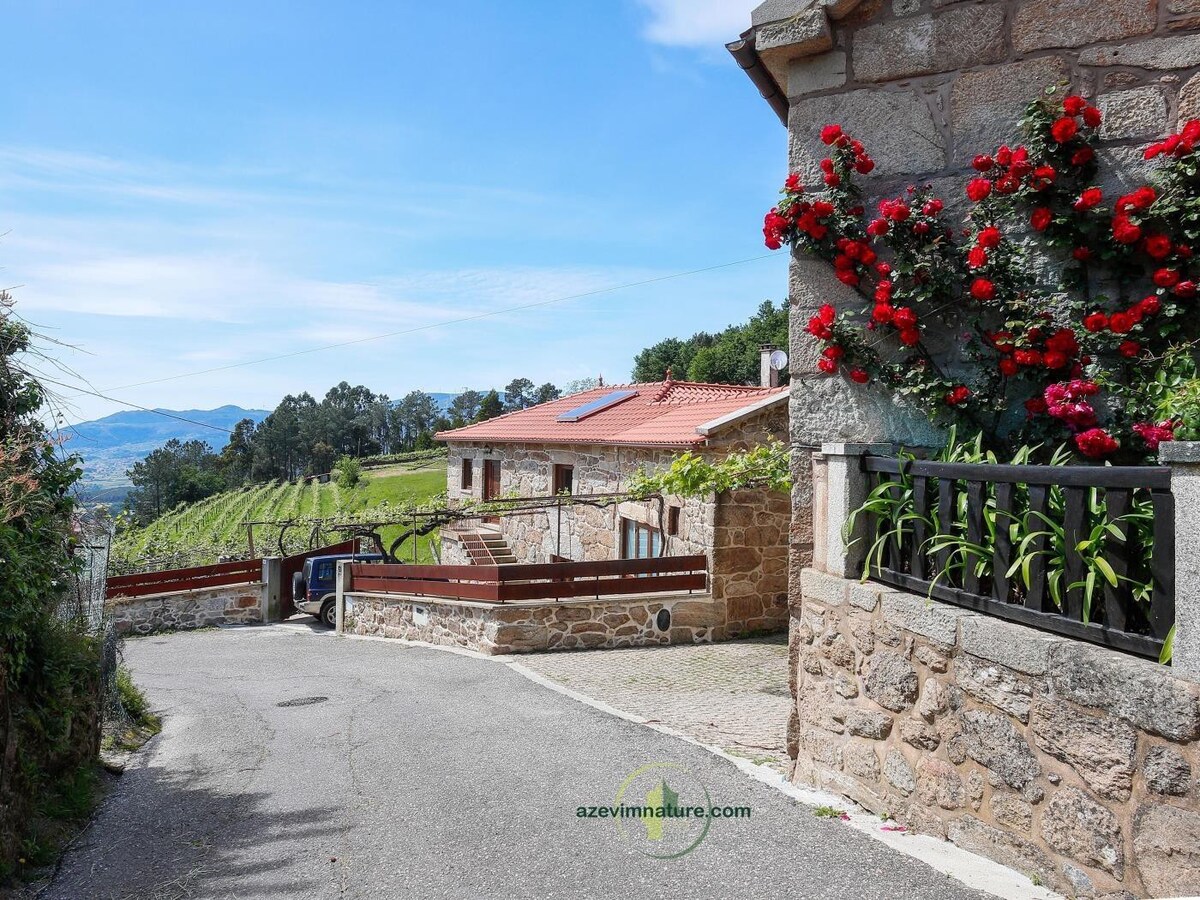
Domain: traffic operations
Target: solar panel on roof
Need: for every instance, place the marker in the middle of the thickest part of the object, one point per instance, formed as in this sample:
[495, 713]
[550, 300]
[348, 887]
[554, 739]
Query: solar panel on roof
[594, 406]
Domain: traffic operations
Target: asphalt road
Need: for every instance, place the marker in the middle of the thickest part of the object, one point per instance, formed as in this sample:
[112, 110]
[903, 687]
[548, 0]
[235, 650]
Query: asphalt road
[424, 774]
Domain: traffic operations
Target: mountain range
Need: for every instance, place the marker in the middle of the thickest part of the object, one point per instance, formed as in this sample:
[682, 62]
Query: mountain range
[111, 445]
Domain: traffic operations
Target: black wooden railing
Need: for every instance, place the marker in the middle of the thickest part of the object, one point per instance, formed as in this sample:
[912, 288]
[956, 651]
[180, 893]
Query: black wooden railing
[978, 503]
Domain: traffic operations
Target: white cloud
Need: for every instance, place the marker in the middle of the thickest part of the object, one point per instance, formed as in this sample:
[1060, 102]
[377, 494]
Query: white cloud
[697, 23]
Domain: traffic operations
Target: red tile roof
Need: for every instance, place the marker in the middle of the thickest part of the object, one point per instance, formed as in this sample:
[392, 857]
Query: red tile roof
[663, 413]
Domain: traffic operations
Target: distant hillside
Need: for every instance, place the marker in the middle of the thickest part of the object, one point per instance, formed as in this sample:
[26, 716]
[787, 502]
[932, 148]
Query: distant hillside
[111, 445]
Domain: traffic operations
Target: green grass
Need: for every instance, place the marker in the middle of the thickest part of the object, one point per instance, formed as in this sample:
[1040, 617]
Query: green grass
[213, 527]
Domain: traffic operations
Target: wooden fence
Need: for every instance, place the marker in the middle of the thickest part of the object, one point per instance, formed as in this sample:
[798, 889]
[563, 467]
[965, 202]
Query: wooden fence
[1053, 512]
[543, 581]
[139, 585]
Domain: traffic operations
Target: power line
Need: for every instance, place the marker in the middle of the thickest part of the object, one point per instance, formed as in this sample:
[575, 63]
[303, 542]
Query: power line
[459, 321]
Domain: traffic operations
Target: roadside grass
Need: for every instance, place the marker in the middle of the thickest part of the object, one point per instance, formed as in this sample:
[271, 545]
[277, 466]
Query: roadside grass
[138, 724]
[60, 811]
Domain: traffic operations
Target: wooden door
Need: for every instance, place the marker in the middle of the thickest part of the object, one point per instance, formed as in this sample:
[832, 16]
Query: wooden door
[491, 484]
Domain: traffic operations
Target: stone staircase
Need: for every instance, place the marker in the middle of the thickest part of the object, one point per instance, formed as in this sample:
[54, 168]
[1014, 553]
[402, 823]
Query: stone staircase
[488, 548]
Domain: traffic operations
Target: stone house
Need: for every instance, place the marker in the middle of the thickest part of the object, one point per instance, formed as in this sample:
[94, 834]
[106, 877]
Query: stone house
[590, 445]
[1067, 761]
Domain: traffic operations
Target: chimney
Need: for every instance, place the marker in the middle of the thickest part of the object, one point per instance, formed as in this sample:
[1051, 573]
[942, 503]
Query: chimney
[768, 376]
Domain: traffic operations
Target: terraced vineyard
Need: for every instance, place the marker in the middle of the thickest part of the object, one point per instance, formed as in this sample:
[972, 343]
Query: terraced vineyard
[199, 533]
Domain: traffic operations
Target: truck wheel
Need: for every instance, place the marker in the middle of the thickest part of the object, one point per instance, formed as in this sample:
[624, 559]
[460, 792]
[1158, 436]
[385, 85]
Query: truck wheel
[328, 614]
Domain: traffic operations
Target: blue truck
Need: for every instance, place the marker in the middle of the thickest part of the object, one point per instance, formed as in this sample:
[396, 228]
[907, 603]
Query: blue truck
[314, 588]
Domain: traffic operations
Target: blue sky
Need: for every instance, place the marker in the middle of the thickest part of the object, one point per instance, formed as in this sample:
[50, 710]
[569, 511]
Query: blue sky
[185, 186]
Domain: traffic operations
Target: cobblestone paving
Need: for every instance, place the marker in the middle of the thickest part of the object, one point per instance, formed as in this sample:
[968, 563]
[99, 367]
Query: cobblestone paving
[733, 694]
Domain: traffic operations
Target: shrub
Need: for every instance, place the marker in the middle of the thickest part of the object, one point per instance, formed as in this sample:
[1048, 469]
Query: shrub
[347, 472]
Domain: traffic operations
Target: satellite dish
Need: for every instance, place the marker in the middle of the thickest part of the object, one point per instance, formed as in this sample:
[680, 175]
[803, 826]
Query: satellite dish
[779, 360]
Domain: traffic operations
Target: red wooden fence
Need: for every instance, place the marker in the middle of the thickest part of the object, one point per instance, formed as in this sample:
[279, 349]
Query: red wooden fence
[543, 581]
[142, 583]
[245, 571]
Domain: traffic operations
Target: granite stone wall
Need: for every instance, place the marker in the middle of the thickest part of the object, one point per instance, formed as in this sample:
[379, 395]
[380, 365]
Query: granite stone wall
[182, 610]
[1070, 762]
[527, 627]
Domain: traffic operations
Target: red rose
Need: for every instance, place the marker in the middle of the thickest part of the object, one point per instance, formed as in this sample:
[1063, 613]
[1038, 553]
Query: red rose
[1124, 231]
[910, 337]
[977, 258]
[1083, 156]
[1095, 322]
[989, 237]
[1074, 105]
[978, 189]
[1089, 199]
[826, 365]
[878, 227]
[983, 290]
[1165, 278]
[863, 165]
[882, 313]
[1096, 443]
[1035, 406]
[1151, 306]
[847, 277]
[1185, 289]
[1004, 155]
[1157, 246]
[933, 207]
[1082, 254]
[1028, 357]
[1007, 184]
[958, 395]
[1120, 322]
[1008, 366]
[1041, 217]
[833, 351]
[1063, 341]
[1064, 129]
[1043, 177]
[1053, 359]
[858, 376]
[1129, 349]
[830, 133]
[904, 317]
[982, 163]
[833, 179]
[1092, 117]
[793, 183]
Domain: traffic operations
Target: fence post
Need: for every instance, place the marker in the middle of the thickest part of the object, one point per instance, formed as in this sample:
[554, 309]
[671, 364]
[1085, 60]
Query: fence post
[339, 603]
[272, 576]
[1184, 459]
[844, 490]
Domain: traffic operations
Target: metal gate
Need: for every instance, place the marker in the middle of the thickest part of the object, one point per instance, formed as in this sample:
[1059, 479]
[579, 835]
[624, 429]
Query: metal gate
[293, 564]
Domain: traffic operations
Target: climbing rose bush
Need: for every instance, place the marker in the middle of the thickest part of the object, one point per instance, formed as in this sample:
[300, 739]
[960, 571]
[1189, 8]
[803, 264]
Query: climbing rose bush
[1054, 313]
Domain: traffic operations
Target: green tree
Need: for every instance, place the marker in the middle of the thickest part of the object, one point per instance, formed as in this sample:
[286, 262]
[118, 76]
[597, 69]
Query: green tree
[518, 394]
[490, 407]
[464, 408]
[729, 357]
[545, 393]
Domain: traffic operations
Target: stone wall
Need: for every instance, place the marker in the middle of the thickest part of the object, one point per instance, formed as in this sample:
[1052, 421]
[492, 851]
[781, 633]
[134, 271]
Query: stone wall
[182, 610]
[1066, 761]
[526, 627]
[744, 534]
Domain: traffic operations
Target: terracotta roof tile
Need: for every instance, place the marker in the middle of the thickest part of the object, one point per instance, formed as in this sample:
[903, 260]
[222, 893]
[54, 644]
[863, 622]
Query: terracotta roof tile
[663, 413]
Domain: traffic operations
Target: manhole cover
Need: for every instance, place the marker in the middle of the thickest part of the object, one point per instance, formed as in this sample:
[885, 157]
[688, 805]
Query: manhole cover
[302, 701]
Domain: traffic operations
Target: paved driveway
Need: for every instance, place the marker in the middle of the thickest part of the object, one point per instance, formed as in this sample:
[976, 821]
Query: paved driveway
[424, 774]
